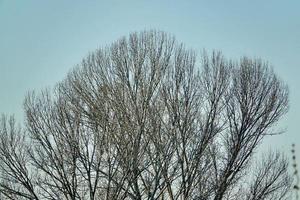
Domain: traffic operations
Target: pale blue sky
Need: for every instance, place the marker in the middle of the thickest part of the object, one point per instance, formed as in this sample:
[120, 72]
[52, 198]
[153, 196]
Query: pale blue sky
[40, 41]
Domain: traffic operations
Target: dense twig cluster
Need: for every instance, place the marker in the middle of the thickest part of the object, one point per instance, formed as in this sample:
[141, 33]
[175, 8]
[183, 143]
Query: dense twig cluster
[145, 119]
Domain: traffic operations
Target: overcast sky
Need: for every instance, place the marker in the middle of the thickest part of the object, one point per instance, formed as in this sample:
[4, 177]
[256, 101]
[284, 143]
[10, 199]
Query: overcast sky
[40, 41]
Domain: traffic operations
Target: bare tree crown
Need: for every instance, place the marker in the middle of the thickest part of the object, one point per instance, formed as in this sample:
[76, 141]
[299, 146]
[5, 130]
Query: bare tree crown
[146, 118]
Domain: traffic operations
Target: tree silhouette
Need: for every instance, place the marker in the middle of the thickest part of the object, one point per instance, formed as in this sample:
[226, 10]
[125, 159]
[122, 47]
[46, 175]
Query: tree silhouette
[146, 118]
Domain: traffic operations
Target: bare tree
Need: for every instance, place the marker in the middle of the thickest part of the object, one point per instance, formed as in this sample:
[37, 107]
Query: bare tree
[145, 119]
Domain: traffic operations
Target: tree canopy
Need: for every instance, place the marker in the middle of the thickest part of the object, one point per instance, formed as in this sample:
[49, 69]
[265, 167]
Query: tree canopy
[147, 118]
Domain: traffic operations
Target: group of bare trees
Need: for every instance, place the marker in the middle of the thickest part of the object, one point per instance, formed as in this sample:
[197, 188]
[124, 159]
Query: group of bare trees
[145, 118]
